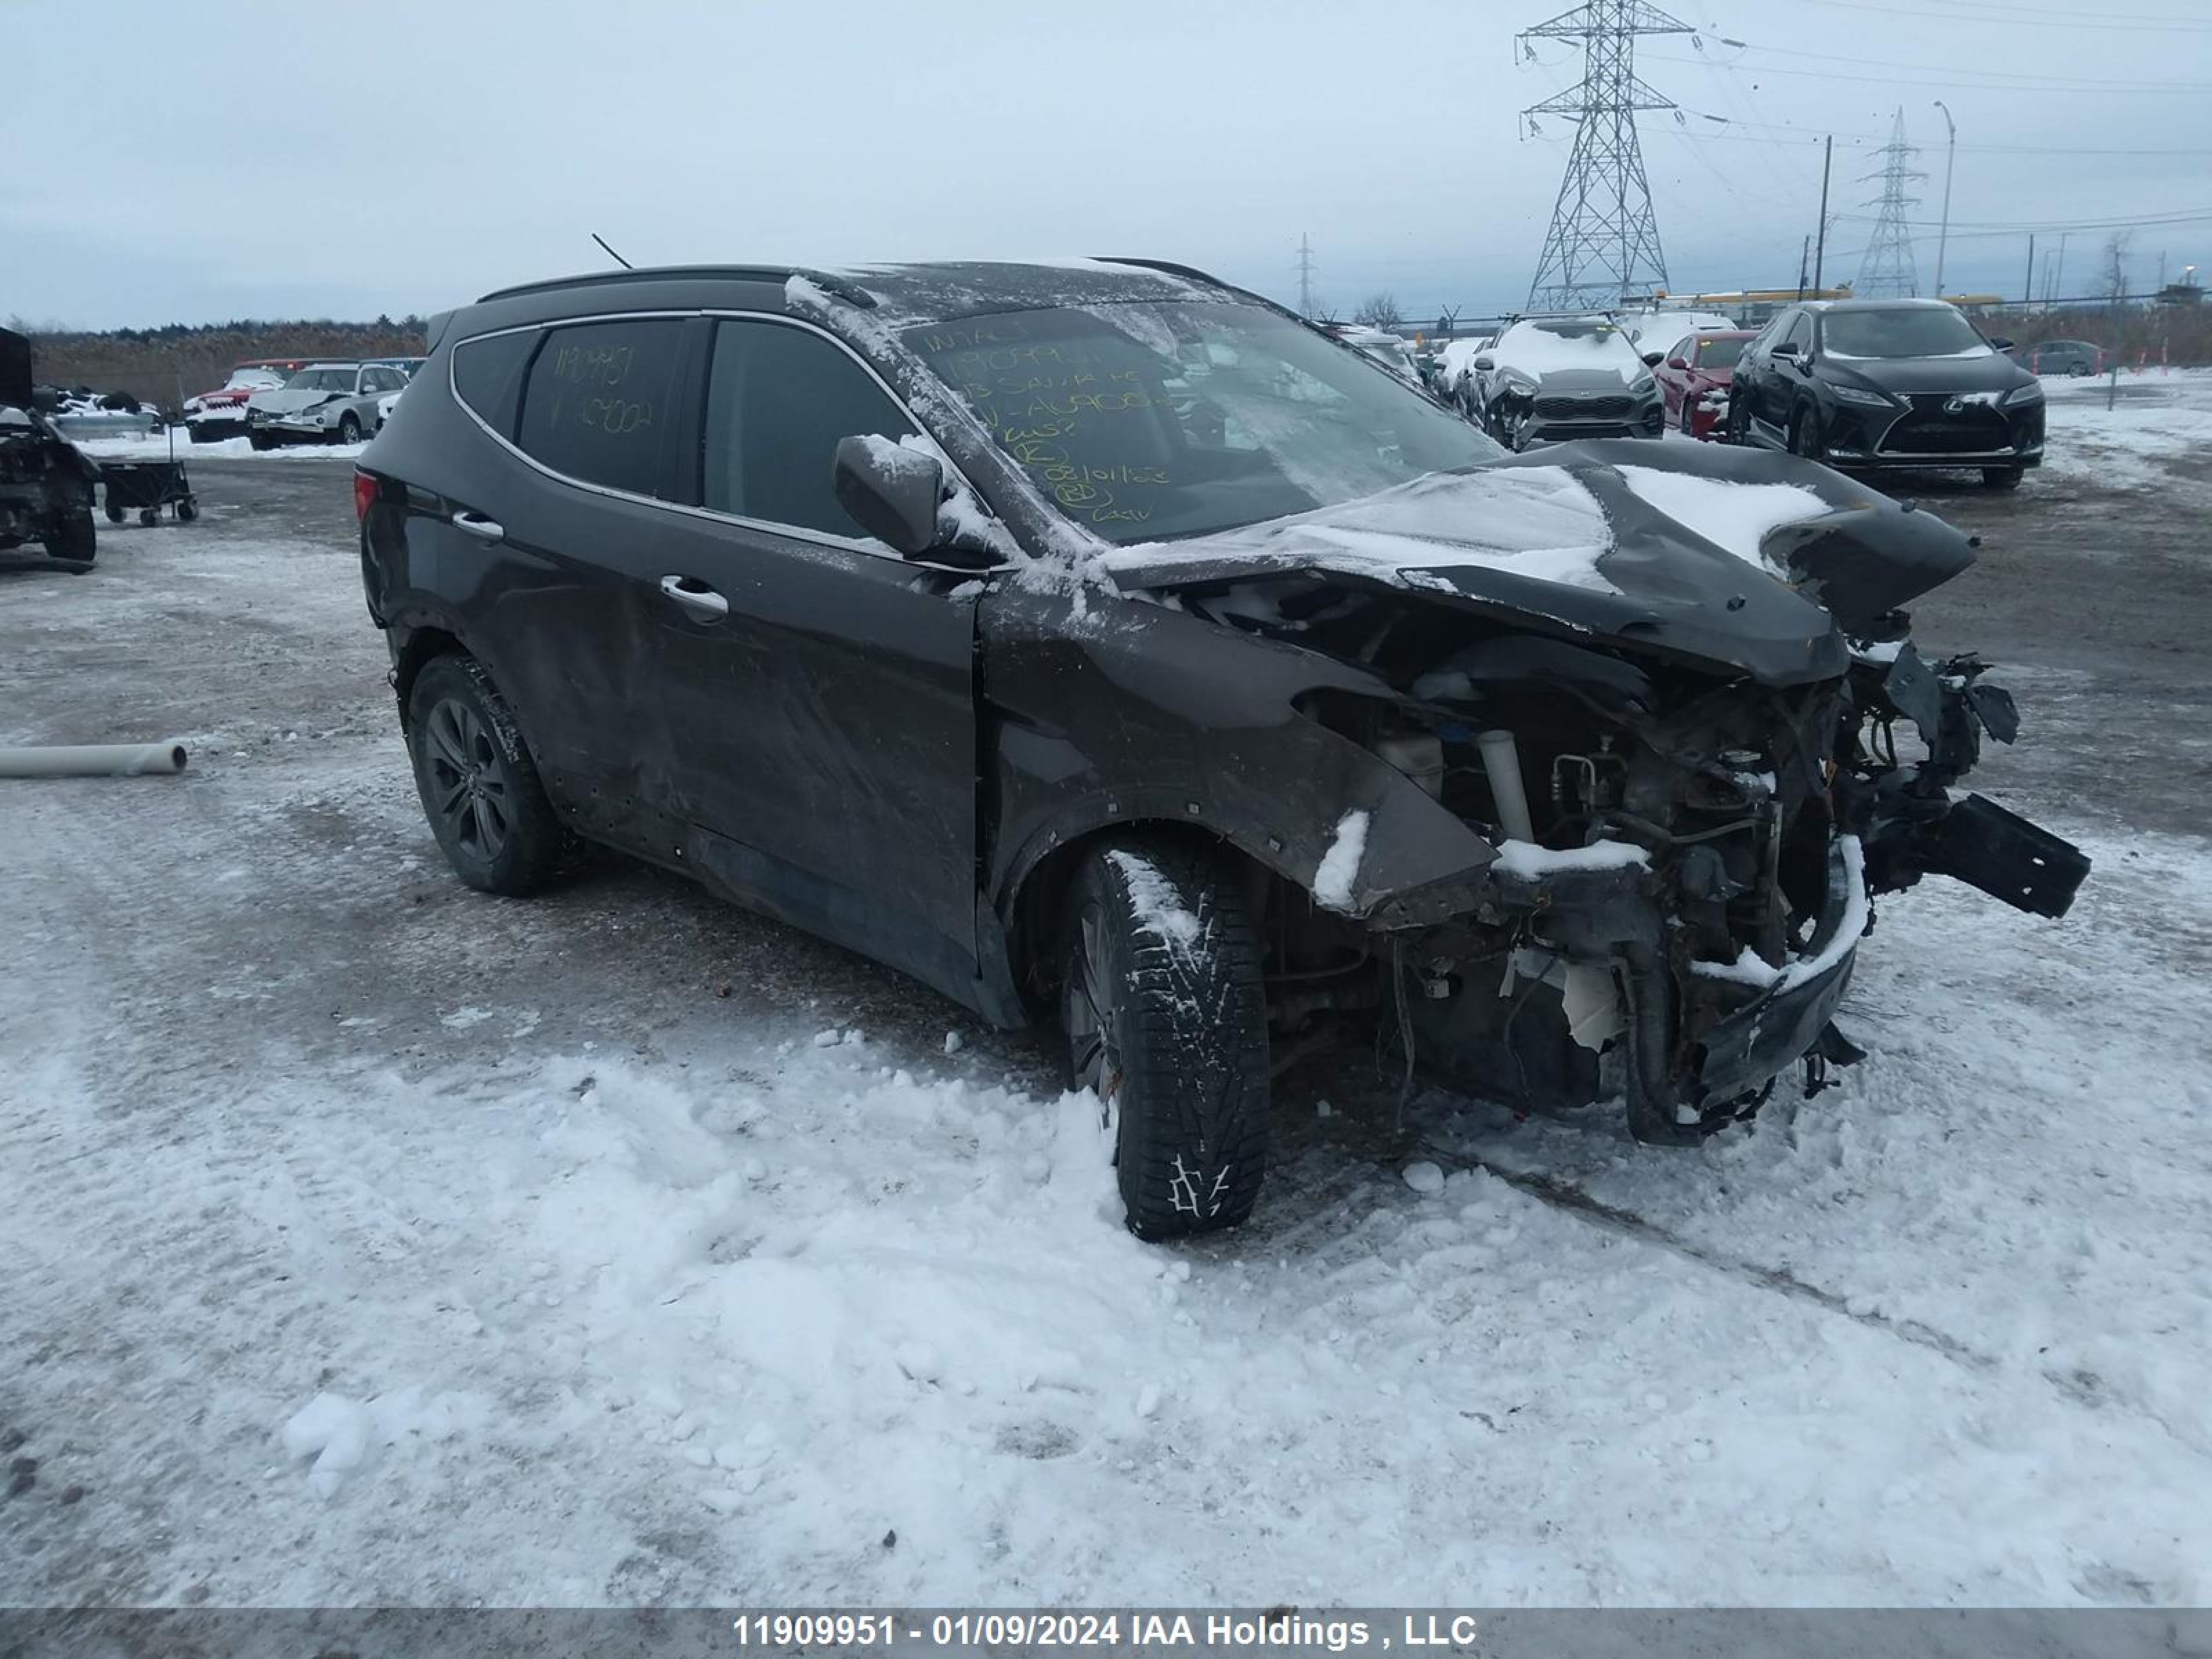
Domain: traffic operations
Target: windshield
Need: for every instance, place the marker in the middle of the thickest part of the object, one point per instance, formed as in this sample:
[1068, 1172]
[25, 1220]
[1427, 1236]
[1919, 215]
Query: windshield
[1151, 422]
[1917, 331]
[1719, 354]
[321, 379]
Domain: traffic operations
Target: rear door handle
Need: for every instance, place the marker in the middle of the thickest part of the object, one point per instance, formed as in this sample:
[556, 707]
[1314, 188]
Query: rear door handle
[701, 601]
[476, 525]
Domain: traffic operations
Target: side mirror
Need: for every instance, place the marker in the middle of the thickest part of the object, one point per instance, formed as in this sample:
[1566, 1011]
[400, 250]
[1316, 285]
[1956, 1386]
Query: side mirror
[891, 492]
[2001, 344]
[1653, 359]
[1672, 362]
[1485, 363]
[1787, 348]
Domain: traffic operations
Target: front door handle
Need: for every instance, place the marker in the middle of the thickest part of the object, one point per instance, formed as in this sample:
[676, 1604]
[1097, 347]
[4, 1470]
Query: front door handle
[476, 525]
[701, 601]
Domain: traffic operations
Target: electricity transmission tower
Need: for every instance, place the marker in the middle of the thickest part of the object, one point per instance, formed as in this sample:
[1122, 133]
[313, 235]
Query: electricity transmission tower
[1604, 244]
[1305, 275]
[1887, 270]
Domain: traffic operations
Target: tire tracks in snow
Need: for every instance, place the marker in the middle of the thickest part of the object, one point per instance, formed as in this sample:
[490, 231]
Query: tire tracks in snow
[2082, 1389]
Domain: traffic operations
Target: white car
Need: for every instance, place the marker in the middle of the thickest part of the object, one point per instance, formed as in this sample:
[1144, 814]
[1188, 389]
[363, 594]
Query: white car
[1393, 351]
[209, 416]
[1456, 371]
[1547, 379]
[324, 403]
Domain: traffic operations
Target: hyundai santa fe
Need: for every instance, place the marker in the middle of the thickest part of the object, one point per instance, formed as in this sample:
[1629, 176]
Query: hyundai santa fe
[1107, 647]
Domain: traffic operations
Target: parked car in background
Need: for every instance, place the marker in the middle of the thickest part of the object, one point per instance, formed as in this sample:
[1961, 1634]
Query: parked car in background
[1393, 351]
[2074, 357]
[1648, 330]
[1546, 380]
[1455, 371]
[82, 413]
[324, 403]
[210, 417]
[1694, 376]
[1875, 383]
[1332, 718]
[406, 365]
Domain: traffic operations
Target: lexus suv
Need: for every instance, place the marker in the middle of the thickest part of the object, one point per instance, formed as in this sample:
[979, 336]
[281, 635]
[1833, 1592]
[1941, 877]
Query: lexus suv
[1103, 644]
[1880, 383]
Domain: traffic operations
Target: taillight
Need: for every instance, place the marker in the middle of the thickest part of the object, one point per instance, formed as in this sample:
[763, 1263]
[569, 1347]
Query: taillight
[364, 493]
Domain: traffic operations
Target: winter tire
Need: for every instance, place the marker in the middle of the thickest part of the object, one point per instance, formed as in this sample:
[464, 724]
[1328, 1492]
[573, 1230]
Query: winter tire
[75, 539]
[2002, 477]
[479, 786]
[1166, 1023]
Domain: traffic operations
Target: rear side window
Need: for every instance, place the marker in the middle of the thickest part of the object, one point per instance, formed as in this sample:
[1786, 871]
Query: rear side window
[778, 400]
[488, 376]
[599, 399]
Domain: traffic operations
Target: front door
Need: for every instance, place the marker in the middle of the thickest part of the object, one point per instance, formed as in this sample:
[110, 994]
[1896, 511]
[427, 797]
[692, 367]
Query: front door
[821, 690]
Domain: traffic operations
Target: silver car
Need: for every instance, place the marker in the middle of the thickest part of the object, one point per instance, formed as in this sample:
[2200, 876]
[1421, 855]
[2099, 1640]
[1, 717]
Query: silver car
[323, 402]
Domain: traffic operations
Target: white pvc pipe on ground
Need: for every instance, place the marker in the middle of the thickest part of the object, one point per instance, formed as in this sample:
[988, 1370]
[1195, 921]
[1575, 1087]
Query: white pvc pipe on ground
[93, 760]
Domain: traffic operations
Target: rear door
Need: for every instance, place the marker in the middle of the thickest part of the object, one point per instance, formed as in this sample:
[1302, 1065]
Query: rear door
[556, 558]
[821, 696]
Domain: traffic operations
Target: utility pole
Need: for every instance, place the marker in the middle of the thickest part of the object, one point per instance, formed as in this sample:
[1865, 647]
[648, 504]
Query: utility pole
[1603, 243]
[2059, 281]
[1950, 157]
[1305, 275]
[1820, 248]
[2027, 293]
[1804, 258]
[1887, 269]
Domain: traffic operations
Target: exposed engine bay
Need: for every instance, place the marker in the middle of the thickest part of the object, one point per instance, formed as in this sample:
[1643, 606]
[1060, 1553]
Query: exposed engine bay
[1687, 828]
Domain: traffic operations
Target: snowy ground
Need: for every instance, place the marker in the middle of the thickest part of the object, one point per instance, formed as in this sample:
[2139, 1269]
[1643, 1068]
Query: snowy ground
[156, 447]
[367, 1240]
[2157, 417]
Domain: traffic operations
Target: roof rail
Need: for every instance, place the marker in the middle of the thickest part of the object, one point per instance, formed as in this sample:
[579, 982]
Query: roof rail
[843, 287]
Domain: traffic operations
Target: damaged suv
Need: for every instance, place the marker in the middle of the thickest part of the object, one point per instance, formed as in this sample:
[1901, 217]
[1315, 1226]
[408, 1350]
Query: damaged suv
[1100, 643]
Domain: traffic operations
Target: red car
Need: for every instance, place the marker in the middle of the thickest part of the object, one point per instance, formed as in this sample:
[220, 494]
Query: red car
[1694, 379]
[222, 413]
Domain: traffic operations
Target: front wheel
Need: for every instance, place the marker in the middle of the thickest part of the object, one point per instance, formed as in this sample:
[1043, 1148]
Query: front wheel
[261, 440]
[348, 429]
[479, 786]
[2003, 477]
[1804, 443]
[1166, 1021]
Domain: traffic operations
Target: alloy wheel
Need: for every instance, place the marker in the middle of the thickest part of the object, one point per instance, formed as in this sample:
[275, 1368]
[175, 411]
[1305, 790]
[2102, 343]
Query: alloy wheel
[1094, 1059]
[469, 779]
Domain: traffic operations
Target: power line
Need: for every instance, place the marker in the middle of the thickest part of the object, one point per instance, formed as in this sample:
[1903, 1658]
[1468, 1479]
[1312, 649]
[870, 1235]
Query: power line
[2194, 88]
[2065, 81]
[2132, 22]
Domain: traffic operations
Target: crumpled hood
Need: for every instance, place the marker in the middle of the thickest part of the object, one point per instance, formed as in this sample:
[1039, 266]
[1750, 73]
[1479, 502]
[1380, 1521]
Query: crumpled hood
[1741, 558]
[289, 402]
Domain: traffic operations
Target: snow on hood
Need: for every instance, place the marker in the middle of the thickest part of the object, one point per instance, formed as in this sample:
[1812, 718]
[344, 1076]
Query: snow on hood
[1739, 557]
[1539, 523]
[1736, 516]
[1536, 352]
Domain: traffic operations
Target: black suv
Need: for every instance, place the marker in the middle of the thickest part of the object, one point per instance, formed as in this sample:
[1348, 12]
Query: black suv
[1100, 642]
[1866, 384]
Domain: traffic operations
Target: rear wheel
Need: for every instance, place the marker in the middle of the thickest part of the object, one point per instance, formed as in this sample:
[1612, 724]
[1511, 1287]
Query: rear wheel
[2003, 477]
[73, 538]
[479, 786]
[1166, 1023]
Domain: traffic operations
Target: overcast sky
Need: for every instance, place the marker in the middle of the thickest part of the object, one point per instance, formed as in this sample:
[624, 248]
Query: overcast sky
[198, 161]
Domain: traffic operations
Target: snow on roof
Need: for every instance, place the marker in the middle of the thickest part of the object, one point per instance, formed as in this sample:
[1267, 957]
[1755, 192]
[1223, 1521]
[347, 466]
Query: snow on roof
[1537, 347]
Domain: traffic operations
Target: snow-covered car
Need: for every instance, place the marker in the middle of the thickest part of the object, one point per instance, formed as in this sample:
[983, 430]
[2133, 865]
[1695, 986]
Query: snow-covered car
[210, 417]
[84, 413]
[1393, 351]
[1546, 380]
[324, 403]
[1097, 641]
[1456, 369]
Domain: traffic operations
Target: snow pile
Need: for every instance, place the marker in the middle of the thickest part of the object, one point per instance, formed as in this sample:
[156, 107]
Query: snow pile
[158, 447]
[1734, 517]
[2159, 423]
[342, 1435]
[1340, 866]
